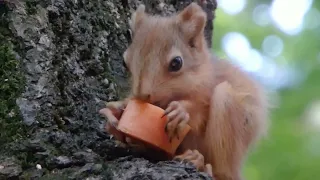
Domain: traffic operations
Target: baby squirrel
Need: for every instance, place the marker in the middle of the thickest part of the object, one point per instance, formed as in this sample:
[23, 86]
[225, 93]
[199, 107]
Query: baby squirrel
[171, 66]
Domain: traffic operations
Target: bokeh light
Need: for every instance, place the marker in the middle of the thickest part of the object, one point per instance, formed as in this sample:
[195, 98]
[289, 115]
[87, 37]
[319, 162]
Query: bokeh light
[272, 45]
[261, 15]
[288, 15]
[232, 7]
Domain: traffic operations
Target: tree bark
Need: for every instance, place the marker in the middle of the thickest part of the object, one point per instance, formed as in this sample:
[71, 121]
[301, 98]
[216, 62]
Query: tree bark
[61, 60]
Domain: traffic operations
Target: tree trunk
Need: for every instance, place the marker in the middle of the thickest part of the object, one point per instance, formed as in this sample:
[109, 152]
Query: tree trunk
[60, 61]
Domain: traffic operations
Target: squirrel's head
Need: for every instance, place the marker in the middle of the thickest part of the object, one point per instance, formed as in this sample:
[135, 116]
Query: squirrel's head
[166, 53]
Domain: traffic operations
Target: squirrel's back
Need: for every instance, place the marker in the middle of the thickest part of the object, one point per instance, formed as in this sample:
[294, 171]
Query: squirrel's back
[243, 83]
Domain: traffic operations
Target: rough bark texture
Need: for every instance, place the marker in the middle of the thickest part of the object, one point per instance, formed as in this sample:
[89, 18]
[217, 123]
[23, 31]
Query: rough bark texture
[60, 60]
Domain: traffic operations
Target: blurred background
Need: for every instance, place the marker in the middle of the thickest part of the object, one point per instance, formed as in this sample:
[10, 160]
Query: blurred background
[278, 42]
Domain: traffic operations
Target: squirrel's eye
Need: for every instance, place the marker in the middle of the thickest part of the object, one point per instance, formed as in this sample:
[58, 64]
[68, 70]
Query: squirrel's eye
[175, 64]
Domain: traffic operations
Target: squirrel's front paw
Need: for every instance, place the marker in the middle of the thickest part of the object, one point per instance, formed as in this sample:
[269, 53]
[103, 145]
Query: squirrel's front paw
[112, 113]
[177, 118]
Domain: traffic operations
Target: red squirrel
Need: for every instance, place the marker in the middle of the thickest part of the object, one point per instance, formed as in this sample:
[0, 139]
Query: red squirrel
[172, 67]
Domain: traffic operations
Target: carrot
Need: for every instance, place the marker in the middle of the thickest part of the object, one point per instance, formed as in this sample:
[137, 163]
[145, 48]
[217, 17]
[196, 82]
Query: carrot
[144, 122]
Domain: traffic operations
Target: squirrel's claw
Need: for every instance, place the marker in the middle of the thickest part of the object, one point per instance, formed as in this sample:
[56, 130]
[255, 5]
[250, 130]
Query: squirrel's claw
[177, 118]
[195, 158]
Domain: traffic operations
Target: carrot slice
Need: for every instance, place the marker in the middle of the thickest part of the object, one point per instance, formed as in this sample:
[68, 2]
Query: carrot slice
[144, 122]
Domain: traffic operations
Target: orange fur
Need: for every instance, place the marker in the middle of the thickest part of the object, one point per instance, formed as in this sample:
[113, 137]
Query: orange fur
[228, 110]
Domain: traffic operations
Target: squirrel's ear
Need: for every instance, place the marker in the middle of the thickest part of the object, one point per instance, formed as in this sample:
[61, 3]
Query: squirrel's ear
[136, 17]
[191, 21]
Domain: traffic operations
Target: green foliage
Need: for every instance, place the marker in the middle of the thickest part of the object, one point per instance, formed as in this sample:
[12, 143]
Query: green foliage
[11, 85]
[292, 150]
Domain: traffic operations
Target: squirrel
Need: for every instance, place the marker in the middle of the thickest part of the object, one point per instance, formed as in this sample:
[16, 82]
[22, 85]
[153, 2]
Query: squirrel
[171, 66]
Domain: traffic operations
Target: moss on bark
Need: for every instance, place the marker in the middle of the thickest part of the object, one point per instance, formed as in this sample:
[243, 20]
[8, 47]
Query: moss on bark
[11, 85]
